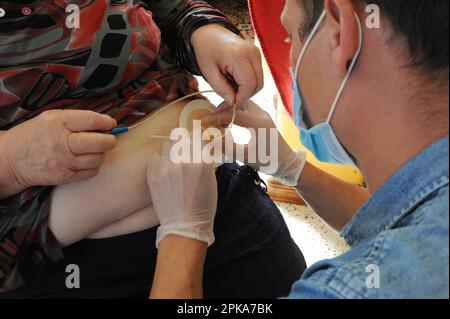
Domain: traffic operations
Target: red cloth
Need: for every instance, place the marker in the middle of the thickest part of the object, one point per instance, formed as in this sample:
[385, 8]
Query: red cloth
[271, 33]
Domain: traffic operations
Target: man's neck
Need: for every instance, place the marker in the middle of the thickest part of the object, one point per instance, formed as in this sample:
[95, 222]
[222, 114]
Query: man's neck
[394, 139]
[382, 166]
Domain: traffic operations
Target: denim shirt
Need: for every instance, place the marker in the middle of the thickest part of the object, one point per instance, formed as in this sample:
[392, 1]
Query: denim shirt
[399, 239]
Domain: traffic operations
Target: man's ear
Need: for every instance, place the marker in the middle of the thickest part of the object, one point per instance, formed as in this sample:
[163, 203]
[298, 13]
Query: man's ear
[345, 35]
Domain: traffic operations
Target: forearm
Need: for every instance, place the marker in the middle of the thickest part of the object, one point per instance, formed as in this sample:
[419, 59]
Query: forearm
[179, 269]
[332, 199]
[8, 185]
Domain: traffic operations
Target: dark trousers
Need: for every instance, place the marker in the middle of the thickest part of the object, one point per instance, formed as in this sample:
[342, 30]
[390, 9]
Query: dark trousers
[254, 255]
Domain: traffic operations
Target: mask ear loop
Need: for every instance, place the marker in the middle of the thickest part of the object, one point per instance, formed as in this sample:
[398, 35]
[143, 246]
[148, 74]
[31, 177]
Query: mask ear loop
[227, 131]
[350, 69]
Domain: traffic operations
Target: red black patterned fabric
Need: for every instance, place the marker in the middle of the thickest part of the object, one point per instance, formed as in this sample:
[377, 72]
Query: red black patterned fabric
[127, 59]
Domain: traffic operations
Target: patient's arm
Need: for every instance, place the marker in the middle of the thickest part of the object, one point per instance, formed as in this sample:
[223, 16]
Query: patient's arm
[117, 201]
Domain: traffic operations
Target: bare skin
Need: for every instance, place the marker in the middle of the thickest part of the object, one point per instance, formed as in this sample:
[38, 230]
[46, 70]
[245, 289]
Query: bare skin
[179, 275]
[117, 201]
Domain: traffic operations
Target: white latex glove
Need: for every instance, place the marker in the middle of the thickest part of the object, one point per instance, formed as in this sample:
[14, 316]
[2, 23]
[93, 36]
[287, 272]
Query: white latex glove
[290, 163]
[184, 197]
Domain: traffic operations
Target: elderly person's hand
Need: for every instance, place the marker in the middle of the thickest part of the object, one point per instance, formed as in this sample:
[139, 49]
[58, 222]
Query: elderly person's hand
[54, 148]
[231, 65]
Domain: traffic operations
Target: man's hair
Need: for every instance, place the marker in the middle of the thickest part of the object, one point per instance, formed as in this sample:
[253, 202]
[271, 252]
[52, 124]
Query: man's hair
[423, 25]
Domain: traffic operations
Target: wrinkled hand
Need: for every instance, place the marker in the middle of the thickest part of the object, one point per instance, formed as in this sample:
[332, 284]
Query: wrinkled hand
[223, 55]
[288, 164]
[57, 147]
[184, 197]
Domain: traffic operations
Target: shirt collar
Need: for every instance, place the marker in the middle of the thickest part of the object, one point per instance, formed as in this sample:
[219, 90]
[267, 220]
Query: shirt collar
[420, 177]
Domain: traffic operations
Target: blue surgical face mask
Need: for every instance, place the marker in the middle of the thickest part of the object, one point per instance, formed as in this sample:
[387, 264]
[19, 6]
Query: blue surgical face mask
[321, 139]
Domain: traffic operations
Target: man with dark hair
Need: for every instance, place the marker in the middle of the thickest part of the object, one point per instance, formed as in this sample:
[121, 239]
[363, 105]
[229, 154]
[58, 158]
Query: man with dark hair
[421, 25]
[377, 98]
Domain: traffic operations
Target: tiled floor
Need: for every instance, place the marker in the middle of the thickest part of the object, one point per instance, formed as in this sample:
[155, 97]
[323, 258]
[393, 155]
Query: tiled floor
[315, 238]
[237, 11]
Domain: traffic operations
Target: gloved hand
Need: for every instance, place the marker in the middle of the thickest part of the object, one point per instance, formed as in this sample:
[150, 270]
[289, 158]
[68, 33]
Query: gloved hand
[289, 163]
[184, 197]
